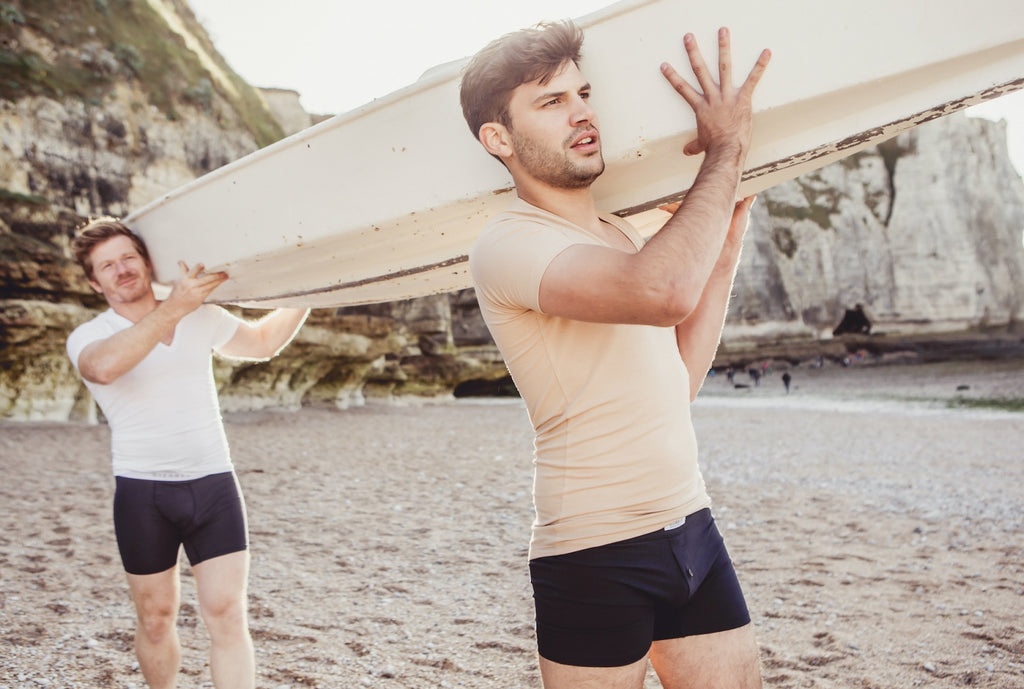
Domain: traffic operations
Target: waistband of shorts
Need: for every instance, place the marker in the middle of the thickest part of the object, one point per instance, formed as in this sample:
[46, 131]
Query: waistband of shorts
[701, 516]
[168, 476]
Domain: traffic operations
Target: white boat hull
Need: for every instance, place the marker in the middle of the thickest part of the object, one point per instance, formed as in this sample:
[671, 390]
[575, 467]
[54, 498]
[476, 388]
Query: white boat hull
[383, 203]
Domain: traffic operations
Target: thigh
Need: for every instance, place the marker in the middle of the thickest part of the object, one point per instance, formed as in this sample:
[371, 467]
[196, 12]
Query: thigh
[219, 523]
[147, 540]
[558, 676]
[156, 596]
[221, 583]
[722, 660]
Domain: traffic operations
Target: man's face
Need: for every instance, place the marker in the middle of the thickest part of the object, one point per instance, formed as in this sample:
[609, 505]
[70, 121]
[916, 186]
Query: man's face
[554, 130]
[119, 272]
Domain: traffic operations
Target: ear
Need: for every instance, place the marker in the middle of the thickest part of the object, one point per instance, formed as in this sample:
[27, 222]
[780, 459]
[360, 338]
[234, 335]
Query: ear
[496, 139]
[96, 287]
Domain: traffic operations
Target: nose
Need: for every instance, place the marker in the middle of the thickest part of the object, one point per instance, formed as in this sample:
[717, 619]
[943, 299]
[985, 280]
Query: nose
[583, 112]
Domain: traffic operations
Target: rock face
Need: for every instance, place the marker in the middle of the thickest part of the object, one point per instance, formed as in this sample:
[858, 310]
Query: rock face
[924, 231]
[70, 151]
[284, 105]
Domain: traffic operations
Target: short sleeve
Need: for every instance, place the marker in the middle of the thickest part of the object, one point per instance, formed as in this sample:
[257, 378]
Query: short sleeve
[223, 323]
[83, 336]
[509, 260]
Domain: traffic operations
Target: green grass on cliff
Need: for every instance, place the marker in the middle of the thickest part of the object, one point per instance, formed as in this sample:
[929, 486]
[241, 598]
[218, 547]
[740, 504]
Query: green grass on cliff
[101, 42]
[13, 197]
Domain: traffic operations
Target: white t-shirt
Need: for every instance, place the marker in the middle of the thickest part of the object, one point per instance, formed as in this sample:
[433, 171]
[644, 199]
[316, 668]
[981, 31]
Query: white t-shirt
[164, 415]
[615, 450]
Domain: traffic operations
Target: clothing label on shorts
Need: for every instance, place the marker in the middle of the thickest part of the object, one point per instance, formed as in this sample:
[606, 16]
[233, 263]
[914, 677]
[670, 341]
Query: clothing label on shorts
[676, 524]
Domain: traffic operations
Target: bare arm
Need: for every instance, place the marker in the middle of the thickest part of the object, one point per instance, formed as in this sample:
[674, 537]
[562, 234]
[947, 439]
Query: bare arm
[104, 361]
[699, 334]
[663, 282]
[266, 337]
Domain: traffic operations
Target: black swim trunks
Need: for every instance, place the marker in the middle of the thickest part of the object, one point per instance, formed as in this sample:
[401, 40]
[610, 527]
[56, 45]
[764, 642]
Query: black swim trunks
[153, 518]
[604, 606]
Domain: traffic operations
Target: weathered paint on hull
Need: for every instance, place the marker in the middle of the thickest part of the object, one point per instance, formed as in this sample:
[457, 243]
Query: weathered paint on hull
[383, 203]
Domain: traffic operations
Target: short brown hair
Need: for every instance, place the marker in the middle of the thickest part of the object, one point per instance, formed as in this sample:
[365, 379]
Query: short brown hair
[98, 231]
[514, 59]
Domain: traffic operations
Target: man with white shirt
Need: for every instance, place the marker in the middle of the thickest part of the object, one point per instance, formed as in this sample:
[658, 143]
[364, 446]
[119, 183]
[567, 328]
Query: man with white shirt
[147, 364]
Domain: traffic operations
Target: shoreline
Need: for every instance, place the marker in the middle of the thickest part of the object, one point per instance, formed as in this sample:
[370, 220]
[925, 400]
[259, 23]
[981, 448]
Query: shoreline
[948, 382]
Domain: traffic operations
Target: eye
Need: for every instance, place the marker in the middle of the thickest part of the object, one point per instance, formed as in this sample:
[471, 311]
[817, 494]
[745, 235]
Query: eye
[553, 101]
[584, 95]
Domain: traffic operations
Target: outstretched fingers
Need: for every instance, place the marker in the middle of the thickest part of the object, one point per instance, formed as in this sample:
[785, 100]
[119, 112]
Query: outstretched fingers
[697, 64]
[682, 87]
[724, 59]
[700, 71]
[756, 72]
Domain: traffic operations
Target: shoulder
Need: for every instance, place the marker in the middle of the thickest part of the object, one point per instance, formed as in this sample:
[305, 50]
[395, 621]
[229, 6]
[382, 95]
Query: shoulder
[100, 327]
[102, 324]
[521, 216]
[210, 314]
[509, 259]
[218, 322]
[518, 232]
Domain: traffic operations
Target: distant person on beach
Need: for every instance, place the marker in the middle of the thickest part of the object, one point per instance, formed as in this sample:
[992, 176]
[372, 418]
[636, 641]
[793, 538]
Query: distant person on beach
[608, 340]
[147, 364]
[786, 380]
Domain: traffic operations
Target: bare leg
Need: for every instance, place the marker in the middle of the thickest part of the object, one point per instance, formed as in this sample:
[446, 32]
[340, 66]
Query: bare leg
[725, 660]
[223, 599]
[558, 676]
[156, 598]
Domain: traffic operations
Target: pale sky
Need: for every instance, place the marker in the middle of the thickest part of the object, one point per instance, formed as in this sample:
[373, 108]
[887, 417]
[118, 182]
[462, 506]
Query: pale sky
[340, 54]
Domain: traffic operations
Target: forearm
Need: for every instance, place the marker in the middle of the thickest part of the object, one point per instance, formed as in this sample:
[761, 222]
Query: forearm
[267, 336]
[107, 360]
[281, 326]
[685, 251]
[699, 335]
[696, 235]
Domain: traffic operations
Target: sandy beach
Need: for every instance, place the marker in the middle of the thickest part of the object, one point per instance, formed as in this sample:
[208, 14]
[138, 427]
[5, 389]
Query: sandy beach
[877, 530]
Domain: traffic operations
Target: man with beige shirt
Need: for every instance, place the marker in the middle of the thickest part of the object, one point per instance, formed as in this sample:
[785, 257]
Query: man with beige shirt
[608, 340]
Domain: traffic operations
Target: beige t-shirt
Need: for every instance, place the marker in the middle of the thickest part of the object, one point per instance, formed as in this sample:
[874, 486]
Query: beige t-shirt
[615, 453]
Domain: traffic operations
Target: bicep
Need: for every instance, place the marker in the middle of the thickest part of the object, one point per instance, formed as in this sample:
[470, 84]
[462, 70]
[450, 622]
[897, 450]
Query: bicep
[593, 283]
[246, 343]
[89, 350]
[86, 361]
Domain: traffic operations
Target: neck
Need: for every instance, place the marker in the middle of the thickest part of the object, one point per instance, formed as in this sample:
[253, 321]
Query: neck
[137, 309]
[575, 205]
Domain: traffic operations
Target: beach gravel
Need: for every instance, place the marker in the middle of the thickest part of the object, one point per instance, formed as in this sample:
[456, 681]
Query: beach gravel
[878, 534]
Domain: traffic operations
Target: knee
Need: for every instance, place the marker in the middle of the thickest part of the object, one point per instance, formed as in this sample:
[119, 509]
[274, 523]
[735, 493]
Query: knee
[224, 615]
[156, 620]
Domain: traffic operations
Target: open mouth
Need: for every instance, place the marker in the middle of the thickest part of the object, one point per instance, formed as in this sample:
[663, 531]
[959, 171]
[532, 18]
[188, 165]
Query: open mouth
[586, 141]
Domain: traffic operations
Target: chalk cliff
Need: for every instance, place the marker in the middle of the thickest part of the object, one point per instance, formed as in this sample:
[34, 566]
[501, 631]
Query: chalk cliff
[924, 231]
